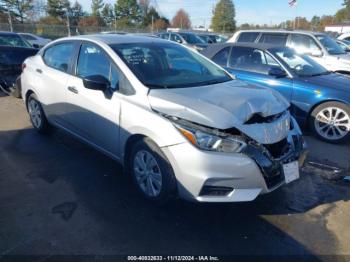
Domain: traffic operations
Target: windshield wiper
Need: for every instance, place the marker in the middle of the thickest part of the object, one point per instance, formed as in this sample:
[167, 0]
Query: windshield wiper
[155, 86]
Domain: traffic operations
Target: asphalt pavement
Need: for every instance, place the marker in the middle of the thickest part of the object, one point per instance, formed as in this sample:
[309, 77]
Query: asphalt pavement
[60, 197]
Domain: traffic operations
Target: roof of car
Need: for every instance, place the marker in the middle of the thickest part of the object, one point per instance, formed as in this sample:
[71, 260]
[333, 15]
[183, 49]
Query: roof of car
[7, 33]
[117, 38]
[281, 31]
[214, 48]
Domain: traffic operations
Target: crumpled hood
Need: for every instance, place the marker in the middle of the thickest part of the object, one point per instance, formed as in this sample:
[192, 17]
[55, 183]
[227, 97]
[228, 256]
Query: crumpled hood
[224, 106]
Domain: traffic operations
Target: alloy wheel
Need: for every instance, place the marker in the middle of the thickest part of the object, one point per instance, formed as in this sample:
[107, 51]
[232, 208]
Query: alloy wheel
[35, 113]
[332, 123]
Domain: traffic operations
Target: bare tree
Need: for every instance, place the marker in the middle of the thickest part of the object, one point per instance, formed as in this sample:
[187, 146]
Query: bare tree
[181, 20]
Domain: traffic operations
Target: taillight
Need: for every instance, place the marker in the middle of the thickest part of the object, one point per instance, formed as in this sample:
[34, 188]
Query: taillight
[23, 66]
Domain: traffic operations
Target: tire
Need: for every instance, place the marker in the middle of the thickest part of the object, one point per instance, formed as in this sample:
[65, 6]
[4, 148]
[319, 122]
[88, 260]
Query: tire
[37, 115]
[330, 122]
[159, 183]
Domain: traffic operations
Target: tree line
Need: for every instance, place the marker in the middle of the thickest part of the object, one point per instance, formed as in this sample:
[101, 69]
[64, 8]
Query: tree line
[123, 14]
[141, 14]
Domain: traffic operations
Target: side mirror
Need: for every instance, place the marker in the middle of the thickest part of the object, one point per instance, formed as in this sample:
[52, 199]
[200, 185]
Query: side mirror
[96, 82]
[316, 53]
[178, 41]
[277, 72]
[36, 46]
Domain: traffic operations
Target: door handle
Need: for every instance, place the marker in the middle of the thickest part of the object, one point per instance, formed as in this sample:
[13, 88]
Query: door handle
[39, 71]
[73, 89]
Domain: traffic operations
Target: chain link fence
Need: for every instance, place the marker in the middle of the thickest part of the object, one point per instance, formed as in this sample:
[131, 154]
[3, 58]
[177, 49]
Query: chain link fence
[57, 31]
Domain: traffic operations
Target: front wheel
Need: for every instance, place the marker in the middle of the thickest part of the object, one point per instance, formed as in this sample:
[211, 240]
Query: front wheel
[331, 122]
[151, 171]
[37, 115]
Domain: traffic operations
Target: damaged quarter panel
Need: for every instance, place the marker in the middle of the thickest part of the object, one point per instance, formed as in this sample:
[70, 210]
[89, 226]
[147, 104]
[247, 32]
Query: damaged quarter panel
[227, 105]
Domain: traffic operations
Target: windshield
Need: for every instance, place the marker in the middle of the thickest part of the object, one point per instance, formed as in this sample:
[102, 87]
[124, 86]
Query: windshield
[330, 44]
[13, 40]
[166, 65]
[192, 39]
[301, 65]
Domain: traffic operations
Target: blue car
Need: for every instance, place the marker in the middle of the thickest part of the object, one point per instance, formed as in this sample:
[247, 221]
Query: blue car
[320, 100]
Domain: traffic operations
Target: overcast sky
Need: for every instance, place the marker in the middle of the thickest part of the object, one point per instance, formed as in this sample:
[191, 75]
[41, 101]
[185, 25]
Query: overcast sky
[248, 11]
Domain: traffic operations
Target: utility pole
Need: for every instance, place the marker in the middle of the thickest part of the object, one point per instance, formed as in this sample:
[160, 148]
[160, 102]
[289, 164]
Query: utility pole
[10, 19]
[68, 23]
[152, 23]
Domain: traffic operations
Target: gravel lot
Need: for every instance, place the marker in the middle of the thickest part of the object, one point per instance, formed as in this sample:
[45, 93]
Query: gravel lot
[58, 196]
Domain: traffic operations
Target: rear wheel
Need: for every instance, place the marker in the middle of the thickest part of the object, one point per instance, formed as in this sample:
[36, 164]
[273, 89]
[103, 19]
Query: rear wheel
[37, 115]
[151, 171]
[331, 122]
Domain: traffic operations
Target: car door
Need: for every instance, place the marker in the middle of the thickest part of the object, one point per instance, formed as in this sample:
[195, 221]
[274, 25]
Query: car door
[253, 65]
[51, 76]
[94, 114]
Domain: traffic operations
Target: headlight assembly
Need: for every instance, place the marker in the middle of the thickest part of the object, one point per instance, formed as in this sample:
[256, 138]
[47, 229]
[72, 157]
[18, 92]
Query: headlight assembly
[211, 140]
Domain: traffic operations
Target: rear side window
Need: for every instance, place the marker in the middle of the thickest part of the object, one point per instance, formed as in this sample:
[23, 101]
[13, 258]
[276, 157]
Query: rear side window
[222, 56]
[59, 56]
[247, 37]
[275, 39]
[251, 60]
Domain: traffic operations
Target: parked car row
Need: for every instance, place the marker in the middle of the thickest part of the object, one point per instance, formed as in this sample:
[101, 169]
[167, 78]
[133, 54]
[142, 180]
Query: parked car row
[221, 126]
[197, 41]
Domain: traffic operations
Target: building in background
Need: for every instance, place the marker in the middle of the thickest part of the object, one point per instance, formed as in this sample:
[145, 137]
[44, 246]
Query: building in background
[338, 28]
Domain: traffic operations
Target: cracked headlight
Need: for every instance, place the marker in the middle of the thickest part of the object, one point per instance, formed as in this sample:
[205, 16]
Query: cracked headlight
[212, 140]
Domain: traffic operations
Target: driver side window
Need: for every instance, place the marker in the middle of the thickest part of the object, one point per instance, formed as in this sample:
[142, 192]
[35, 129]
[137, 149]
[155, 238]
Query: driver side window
[94, 61]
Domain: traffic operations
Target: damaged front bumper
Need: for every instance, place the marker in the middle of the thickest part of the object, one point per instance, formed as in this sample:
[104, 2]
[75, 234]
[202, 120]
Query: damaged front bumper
[271, 158]
[220, 177]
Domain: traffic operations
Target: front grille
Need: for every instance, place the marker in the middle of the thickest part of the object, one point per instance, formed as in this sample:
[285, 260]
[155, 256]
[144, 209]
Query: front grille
[278, 149]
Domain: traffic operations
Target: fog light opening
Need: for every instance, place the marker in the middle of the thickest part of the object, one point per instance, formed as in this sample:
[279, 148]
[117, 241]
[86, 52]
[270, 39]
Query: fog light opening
[215, 191]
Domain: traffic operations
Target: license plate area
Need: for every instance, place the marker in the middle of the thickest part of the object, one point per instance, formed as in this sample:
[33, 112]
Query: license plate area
[291, 171]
